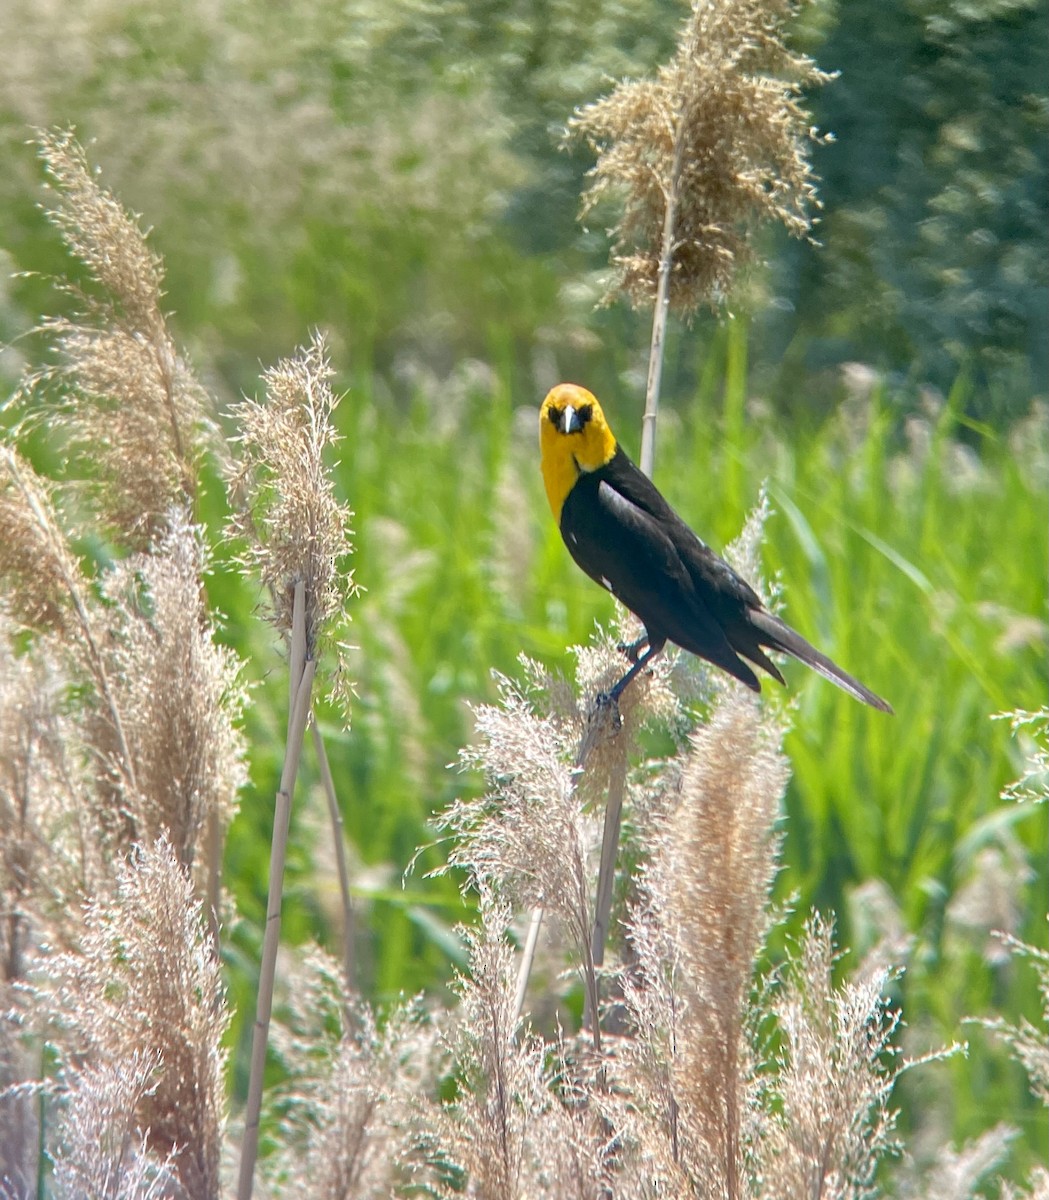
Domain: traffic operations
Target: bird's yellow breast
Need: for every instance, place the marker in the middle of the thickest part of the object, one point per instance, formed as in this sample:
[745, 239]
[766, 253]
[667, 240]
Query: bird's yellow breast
[565, 455]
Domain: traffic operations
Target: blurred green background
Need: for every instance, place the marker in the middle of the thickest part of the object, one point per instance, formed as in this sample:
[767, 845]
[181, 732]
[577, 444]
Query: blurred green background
[390, 173]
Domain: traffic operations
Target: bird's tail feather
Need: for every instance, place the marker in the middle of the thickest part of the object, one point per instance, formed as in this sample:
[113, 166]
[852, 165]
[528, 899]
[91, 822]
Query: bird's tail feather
[777, 635]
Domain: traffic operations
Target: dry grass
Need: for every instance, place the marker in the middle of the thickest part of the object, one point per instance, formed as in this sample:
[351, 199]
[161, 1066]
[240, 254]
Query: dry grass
[144, 990]
[515, 1127]
[130, 405]
[688, 1069]
[720, 136]
[120, 757]
[294, 529]
[120, 748]
[346, 1112]
[180, 691]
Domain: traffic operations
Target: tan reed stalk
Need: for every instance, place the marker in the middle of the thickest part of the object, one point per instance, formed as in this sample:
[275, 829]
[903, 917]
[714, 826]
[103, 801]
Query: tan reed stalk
[703, 152]
[300, 679]
[349, 923]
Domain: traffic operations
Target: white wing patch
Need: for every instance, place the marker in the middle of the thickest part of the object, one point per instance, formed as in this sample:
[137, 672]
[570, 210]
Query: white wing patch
[606, 583]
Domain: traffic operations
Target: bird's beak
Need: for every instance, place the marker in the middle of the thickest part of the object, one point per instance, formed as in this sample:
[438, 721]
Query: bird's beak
[570, 422]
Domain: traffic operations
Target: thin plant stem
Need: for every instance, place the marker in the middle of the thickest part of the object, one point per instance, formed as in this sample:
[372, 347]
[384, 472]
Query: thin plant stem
[297, 720]
[607, 870]
[213, 855]
[349, 923]
[296, 649]
[617, 783]
[597, 728]
[591, 997]
[527, 958]
[662, 307]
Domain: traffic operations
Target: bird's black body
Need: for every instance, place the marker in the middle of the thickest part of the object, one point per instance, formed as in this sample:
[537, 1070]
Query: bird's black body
[623, 534]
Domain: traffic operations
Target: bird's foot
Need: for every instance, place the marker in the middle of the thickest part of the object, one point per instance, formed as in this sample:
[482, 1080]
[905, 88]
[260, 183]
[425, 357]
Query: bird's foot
[632, 650]
[606, 711]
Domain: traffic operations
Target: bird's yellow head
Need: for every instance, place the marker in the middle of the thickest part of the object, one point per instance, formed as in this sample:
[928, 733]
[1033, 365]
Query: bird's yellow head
[573, 437]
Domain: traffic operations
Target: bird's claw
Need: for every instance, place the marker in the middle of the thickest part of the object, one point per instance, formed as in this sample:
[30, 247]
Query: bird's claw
[631, 650]
[627, 650]
[606, 707]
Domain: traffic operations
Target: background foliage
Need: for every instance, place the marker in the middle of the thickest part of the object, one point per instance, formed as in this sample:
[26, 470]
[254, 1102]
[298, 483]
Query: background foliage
[390, 172]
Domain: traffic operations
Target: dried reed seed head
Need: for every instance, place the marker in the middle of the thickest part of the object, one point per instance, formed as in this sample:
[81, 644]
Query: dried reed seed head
[718, 857]
[546, 757]
[1029, 1043]
[961, 1173]
[295, 528]
[694, 1112]
[136, 415]
[99, 1136]
[180, 693]
[832, 1081]
[722, 859]
[743, 554]
[99, 231]
[730, 96]
[697, 931]
[36, 565]
[45, 868]
[606, 740]
[528, 838]
[353, 1087]
[133, 409]
[146, 981]
[508, 1129]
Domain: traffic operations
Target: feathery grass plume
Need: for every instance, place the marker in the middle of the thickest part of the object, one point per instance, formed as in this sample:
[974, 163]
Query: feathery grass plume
[649, 699]
[713, 145]
[830, 1123]
[296, 538]
[42, 579]
[102, 1151]
[743, 553]
[294, 528]
[687, 1077]
[530, 837]
[958, 1173]
[139, 655]
[31, 754]
[507, 1134]
[145, 981]
[346, 1109]
[163, 697]
[133, 408]
[1038, 1187]
[179, 690]
[47, 589]
[1029, 1044]
[1032, 728]
[42, 872]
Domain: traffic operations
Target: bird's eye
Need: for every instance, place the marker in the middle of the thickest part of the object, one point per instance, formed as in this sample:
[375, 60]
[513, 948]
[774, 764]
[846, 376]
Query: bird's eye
[585, 413]
[555, 416]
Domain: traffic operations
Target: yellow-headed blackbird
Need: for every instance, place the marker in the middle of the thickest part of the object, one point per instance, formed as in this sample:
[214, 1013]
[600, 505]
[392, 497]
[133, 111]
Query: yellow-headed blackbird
[624, 535]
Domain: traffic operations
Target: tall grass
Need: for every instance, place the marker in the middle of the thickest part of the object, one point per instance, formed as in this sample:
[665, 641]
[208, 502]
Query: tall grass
[906, 541]
[885, 534]
[431, 627]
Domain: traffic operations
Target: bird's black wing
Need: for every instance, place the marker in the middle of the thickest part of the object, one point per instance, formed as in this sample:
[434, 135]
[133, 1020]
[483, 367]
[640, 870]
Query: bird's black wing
[633, 551]
[623, 533]
[725, 592]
